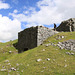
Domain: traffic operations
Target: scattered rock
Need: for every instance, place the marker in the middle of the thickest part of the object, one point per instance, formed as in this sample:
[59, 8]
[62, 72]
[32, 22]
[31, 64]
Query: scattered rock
[46, 45]
[68, 45]
[10, 52]
[70, 53]
[42, 71]
[48, 59]
[38, 60]
[3, 69]
[58, 37]
[65, 66]
[43, 50]
[21, 70]
[13, 69]
[44, 67]
[62, 37]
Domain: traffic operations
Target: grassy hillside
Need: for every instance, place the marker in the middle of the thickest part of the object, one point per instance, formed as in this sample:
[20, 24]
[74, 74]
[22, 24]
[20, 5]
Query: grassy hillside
[53, 61]
[5, 48]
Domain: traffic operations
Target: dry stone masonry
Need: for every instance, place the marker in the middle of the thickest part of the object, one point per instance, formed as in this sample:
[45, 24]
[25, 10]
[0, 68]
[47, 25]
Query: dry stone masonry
[68, 45]
[33, 37]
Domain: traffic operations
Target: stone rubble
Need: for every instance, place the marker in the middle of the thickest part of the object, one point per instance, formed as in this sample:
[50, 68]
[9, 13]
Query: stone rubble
[70, 53]
[10, 52]
[43, 50]
[65, 65]
[68, 45]
[21, 70]
[44, 67]
[58, 37]
[47, 44]
[3, 69]
[38, 60]
[48, 59]
[13, 69]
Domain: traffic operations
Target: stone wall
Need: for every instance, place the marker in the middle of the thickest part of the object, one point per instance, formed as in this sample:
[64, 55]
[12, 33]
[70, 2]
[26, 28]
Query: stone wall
[65, 25]
[43, 34]
[27, 39]
[33, 37]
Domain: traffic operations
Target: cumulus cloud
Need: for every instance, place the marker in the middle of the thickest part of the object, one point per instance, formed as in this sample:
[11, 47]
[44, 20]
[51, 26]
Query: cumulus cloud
[50, 11]
[9, 28]
[15, 11]
[4, 5]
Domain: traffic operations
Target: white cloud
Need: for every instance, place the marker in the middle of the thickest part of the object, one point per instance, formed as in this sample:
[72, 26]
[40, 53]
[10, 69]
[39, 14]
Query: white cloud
[15, 11]
[51, 11]
[20, 17]
[9, 28]
[4, 5]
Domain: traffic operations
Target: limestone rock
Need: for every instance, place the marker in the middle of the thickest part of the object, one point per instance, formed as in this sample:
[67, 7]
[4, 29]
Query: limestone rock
[13, 69]
[3, 69]
[38, 60]
[68, 45]
[48, 59]
[43, 50]
[10, 51]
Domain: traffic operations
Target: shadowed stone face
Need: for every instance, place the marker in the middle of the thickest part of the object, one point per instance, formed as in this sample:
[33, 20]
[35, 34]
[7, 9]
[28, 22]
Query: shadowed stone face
[68, 25]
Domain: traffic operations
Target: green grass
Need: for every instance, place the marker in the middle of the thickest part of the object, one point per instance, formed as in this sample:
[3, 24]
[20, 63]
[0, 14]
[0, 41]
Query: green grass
[5, 48]
[27, 60]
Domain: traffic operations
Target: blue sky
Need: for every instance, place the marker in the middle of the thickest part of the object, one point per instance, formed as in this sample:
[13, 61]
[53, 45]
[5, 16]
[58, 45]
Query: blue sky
[16, 15]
